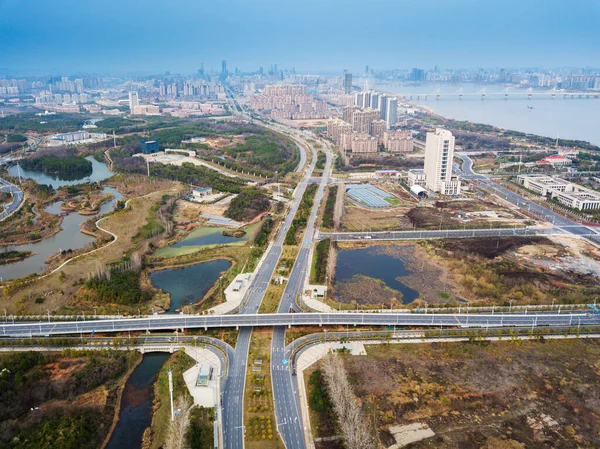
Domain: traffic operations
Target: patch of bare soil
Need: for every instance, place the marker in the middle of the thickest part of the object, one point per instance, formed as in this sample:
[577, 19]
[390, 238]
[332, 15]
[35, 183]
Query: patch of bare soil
[63, 368]
[516, 394]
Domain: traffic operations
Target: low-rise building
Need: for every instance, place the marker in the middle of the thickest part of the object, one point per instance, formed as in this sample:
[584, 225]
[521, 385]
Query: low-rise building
[555, 161]
[201, 192]
[542, 185]
[570, 194]
[417, 177]
[150, 147]
[571, 153]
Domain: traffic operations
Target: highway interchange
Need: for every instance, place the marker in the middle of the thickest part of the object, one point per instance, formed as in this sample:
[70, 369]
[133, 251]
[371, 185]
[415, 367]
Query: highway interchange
[284, 383]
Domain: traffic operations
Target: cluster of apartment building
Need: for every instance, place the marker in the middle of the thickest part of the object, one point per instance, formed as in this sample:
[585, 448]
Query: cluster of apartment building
[386, 105]
[288, 101]
[47, 97]
[570, 194]
[192, 88]
[362, 134]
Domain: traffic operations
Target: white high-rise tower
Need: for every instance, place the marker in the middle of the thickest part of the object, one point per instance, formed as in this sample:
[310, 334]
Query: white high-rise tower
[134, 100]
[439, 154]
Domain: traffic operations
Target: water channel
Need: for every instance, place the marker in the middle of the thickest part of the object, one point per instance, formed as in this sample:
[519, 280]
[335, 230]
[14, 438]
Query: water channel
[187, 285]
[69, 236]
[371, 263]
[136, 403]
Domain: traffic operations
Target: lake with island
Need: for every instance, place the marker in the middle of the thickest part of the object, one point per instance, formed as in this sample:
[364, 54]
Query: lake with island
[100, 172]
[69, 236]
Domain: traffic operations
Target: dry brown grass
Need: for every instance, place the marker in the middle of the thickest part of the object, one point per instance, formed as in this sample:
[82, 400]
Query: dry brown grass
[494, 395]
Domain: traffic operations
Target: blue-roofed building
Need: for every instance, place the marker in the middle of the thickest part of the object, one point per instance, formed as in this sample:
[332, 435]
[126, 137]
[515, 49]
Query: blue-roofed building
[150, 147]
[201, 192]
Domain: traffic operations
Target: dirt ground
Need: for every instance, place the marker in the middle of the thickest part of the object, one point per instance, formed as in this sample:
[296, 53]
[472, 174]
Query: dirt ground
[468, 213]
[517, 394]
[523, 270]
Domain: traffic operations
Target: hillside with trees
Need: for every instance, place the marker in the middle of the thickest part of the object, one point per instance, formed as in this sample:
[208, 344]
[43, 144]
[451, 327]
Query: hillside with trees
[248, 204]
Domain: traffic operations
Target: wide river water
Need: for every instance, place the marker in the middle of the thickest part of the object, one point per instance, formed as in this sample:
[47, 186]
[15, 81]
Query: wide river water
[568, 118]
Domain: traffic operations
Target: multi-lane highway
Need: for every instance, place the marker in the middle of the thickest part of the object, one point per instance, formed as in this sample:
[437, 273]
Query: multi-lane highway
[173, 322]
[444, 234]
[234, 391]
[17, 198]
[287, 412]
[563, 223]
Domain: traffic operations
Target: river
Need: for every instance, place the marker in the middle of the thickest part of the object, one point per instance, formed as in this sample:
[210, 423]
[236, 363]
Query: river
[136, 403]
[187, 285]
[568, 118]
[69, 236]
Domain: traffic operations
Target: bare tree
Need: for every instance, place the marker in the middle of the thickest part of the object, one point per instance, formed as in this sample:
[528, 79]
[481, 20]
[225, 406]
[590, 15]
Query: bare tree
[178, 427]
[352, 422]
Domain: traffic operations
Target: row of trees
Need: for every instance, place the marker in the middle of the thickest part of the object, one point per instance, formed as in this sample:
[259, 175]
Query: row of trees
[351, 420]
[319, 271]
[302, 215]
[262, 236]
[327, 221]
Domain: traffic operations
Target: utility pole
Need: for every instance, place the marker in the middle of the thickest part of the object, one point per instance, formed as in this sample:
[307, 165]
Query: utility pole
[114, 139]
[171, 393]
[148, 166]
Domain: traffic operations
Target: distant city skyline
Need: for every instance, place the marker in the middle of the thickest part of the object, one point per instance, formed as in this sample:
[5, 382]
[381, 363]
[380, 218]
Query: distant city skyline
[128, 37]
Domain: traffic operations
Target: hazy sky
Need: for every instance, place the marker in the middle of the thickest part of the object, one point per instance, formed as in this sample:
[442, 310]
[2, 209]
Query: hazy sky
[120, 36]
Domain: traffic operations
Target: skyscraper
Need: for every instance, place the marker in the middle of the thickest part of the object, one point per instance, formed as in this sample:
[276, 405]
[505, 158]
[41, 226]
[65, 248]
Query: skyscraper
[439, 154]
[134, 100]
[347, 82]
[391, 112]
[223, 76]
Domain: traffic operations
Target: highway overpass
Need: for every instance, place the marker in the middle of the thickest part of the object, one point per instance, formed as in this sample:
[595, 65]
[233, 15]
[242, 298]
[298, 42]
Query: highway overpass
[173, 322]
